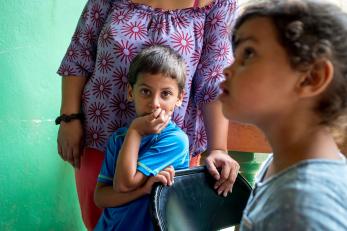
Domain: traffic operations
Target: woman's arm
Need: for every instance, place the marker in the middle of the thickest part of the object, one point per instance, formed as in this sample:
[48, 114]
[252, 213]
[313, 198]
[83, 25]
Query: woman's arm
[217, 135]
[70, 134]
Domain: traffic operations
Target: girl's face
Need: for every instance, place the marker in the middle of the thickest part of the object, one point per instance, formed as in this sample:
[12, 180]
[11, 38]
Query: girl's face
[154, 91]
[259, 85]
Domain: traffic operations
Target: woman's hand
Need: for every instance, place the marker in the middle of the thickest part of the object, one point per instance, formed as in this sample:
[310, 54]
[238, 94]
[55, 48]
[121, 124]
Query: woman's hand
[70, 142]
[219, 159]
[153, 123]
[165, 177]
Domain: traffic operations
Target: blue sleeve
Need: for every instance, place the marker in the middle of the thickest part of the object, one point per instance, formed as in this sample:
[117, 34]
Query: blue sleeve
[217, 51]
[169, 149]
[108, 166]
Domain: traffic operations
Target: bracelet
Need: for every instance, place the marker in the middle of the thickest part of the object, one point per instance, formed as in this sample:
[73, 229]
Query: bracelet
[67, 118]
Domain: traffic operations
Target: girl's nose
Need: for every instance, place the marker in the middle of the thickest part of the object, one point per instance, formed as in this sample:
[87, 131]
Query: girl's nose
[227, 72]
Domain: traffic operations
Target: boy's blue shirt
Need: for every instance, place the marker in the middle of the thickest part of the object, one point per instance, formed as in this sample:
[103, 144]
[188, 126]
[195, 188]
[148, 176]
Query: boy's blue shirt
[157, 151]
[310, 195]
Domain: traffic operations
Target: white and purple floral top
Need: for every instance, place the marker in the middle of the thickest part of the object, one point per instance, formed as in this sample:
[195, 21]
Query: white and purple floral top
[111, 32]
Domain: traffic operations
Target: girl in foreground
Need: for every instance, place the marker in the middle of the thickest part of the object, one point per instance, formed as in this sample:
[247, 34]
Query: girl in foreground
[289, 78]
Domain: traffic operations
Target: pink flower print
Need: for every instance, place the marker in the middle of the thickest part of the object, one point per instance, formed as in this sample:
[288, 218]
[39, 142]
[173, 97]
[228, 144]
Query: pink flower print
[82, 68]
[66, 70]
[214, 73]
[210, 43]
[105, 62]
[180, 21]
[189, 84]
[85, 14]
[134, 30]
[97, 16]
[159, 25]
[106, 36]
[120, 78]
[89, 35]
[86, 54]
[191, 109]
[195, 57]
[114, 126]
[185, 100]
[202, 66]
[121, 16]
[98, 113]
[77, 35]
[72, 53]
[199, 30]
[96, 136]
[155, 41]
[85, 96]
[222, 51]
[177, 119]
[208, 94]
[105, 2]
[201, 138]
[144, 15]
[225, 31]
[215, 20]
[183, 43]
[125, 51]
[122, 107]
[102, 88]
[188, 128]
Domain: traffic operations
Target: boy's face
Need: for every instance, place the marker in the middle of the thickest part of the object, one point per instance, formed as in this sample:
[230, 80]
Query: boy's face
[154, 91]
[260, 84]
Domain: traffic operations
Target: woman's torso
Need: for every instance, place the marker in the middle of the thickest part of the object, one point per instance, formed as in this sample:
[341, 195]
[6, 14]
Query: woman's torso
[126, 30]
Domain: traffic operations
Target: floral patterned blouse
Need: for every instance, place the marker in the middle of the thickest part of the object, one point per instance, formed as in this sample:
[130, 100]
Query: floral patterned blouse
[111, 32]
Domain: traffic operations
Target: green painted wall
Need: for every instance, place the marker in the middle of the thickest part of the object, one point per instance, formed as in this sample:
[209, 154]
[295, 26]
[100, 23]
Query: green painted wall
[37, 190]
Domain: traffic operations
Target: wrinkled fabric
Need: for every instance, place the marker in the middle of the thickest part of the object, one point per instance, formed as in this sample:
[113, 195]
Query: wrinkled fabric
[108, 36]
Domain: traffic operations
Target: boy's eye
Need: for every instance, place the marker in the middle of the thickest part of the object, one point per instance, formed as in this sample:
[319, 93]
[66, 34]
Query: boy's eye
[166, 93]
[144, 91]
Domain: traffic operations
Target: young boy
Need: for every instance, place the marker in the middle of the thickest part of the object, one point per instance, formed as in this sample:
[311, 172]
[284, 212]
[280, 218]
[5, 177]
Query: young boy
[290, 79]
[150, 149]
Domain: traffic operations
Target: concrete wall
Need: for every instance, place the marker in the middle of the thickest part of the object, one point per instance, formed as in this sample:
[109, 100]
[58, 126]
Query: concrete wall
[37, 189]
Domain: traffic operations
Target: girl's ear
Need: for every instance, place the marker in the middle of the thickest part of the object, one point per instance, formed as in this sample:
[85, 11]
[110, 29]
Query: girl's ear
[180, 98]
[130, 93]
[316, 80]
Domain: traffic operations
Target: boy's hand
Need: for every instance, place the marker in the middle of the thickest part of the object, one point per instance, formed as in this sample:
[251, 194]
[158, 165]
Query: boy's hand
[151, 124]
[165, 177]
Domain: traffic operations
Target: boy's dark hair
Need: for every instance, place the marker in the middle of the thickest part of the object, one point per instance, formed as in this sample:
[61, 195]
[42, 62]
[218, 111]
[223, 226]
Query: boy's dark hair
[311, 31]
[158, 60]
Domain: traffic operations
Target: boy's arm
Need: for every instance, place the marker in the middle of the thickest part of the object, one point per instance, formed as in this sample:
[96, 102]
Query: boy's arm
[105, 196]
[126, 177]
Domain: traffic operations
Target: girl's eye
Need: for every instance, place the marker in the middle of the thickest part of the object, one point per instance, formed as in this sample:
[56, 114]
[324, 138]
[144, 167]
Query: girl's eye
[248, 53]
